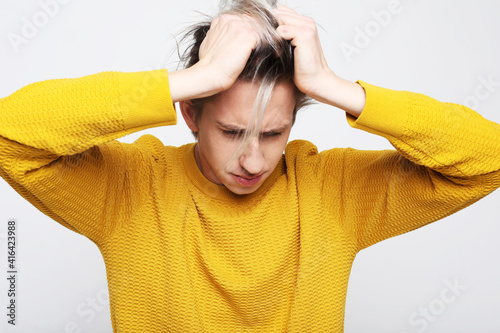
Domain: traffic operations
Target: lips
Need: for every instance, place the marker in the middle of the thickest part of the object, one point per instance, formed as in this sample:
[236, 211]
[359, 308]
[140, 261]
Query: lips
[247, 181]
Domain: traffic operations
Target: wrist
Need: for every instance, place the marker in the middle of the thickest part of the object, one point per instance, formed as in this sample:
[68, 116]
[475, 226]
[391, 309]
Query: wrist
[191, 83]
[343, 94]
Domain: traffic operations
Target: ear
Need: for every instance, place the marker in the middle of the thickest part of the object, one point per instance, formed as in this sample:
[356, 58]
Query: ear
[188, 113]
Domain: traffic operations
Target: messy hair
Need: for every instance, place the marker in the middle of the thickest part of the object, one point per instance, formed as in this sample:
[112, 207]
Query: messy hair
[271, 61]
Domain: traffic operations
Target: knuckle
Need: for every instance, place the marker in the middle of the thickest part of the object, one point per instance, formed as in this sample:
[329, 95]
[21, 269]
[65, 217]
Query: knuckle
[310, 21]
[226, 19]
[310, 28]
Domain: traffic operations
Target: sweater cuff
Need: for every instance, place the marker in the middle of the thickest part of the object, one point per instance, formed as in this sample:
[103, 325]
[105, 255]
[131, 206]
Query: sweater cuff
[145, 100]
[385, 112]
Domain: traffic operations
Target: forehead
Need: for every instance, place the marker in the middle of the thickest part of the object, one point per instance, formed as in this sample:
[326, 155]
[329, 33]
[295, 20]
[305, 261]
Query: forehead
[235, 105]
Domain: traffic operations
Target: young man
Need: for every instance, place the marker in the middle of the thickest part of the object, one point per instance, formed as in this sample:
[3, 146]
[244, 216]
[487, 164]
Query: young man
[230, 234]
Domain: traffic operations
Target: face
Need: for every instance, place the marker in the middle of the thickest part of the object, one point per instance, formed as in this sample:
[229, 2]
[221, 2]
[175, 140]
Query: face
[220, 130]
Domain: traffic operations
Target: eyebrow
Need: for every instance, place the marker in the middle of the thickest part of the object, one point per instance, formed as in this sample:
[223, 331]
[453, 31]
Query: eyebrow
[242, 130]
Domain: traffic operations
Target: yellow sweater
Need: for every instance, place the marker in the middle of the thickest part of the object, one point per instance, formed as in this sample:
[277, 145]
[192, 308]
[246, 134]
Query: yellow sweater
[185, 255]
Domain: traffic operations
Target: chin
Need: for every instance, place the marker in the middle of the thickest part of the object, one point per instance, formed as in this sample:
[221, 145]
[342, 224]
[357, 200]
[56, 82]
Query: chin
[242, 190]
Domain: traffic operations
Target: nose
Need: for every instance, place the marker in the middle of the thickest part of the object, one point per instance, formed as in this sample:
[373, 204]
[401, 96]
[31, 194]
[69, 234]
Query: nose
[252, 159]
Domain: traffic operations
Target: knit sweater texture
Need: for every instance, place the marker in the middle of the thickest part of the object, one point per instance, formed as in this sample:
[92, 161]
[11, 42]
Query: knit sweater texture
[183, 254]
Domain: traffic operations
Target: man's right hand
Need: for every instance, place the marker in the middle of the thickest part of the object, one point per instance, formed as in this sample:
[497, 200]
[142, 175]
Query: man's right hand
[223, 55]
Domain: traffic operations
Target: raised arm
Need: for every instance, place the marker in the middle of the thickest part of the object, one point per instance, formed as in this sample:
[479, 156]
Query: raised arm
[312, 74]
[223, 55]
[447, 156]
[56, 145]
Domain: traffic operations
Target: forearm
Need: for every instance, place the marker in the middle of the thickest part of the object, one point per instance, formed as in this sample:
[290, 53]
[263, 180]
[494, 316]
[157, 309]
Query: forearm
[456, 161]
[57, 146]
[340, 93]
[71, 115]
[449, 138]
[192, 83]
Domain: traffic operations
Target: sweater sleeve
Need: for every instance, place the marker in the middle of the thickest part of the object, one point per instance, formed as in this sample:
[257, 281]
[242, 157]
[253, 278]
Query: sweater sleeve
[447, 157]
[57, 146]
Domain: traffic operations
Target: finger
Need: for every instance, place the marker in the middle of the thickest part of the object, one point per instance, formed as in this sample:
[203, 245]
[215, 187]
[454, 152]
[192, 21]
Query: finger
[288, 32]
[214, 22]
[305, 22]
[281, 12]
[283, 8]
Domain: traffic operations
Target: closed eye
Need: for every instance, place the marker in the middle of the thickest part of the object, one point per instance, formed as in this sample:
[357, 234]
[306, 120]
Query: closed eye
[233, 133]
[270, 134]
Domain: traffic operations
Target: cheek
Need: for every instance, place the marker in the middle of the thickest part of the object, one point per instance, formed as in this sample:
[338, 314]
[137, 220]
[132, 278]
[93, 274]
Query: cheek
[221, 151]
[274, 151]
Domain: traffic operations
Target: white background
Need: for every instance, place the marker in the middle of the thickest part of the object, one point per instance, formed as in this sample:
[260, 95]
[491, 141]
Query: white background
[440, 48]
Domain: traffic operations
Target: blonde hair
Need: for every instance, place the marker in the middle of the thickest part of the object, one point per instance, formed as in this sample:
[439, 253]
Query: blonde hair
[271, 61]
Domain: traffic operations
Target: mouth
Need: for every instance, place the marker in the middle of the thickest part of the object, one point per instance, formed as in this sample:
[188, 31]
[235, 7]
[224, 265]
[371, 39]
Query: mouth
[247, 181]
